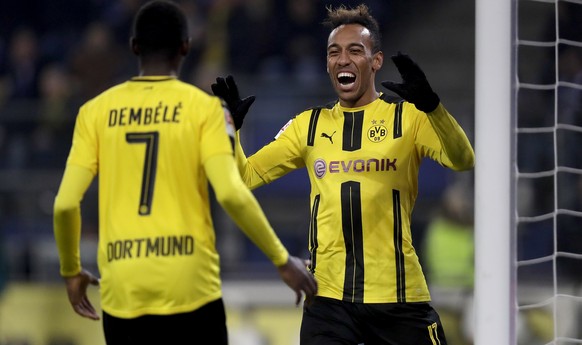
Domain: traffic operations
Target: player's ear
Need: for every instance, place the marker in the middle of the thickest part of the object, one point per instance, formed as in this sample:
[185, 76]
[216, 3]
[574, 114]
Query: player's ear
[134, 46]
[377, 61]
[185, 46]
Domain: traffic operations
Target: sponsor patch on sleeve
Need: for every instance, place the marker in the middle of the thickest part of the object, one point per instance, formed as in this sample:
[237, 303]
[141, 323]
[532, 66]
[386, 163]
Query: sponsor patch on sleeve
[283, 128]
[230, 129]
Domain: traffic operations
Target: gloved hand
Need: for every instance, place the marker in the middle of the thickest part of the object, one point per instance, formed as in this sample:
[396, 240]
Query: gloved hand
[414, 87]
[226, 89]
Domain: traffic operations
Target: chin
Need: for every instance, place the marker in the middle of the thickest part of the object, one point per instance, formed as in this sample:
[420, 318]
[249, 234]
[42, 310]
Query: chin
[348, 97]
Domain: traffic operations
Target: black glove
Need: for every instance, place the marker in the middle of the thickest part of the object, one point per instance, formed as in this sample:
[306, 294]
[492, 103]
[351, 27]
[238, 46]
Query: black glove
[414, 87]
[226, 89]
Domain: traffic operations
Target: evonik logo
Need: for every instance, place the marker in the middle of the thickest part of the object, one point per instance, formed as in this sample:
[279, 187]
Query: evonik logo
[321, 167]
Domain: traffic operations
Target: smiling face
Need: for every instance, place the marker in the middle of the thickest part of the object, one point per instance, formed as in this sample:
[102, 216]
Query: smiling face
[352, 65]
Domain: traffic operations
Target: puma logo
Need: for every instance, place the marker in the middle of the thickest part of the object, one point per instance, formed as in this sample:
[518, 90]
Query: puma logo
[324, 135]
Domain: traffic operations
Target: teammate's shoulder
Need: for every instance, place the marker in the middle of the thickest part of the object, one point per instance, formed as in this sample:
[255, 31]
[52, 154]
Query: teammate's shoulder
[105, 94]
[190, 87]
[197, 93]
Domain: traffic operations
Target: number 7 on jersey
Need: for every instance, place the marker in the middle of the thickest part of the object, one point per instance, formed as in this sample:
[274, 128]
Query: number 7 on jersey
[151, 140]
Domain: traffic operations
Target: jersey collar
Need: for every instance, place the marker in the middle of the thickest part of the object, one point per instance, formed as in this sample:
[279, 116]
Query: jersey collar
[151, 78]
[360, 107]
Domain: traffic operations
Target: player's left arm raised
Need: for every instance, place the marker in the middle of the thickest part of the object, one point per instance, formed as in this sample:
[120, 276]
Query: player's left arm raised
[416, 89]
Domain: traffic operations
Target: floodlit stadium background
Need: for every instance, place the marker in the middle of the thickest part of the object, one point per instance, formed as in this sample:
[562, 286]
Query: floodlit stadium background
[55, 55]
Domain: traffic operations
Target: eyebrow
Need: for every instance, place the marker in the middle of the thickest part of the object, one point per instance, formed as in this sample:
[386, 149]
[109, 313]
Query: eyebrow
[335, 45]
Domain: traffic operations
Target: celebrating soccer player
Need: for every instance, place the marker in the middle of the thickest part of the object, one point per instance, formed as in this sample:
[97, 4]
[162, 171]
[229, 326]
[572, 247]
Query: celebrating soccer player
[362, 154]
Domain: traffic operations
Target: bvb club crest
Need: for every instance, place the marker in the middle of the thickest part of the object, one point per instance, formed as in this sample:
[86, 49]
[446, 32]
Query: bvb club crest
[377, 132]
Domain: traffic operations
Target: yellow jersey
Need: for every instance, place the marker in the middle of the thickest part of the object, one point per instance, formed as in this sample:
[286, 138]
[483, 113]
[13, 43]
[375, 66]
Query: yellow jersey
[363, 166]
[147, 139]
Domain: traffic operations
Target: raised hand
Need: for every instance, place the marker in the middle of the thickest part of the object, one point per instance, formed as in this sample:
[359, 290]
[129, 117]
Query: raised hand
[226, 89]
[414, 87]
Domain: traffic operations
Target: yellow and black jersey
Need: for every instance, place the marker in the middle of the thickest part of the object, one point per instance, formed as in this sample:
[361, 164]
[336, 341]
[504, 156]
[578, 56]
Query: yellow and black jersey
[363, 167]
[147, 139]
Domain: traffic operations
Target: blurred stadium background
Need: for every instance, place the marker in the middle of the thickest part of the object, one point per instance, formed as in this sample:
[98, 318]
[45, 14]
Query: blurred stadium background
[55, 55]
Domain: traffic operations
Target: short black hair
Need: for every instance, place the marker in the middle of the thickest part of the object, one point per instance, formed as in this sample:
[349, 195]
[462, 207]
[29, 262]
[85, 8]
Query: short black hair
[360, 15]
[160, 27]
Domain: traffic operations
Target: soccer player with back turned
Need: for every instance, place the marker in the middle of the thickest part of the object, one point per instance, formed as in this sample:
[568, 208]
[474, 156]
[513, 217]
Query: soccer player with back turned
[155, 143]
[362, 154]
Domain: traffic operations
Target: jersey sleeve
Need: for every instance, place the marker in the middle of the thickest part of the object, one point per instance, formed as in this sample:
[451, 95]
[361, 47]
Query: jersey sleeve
[217, 131]
[249, 175]
[442, 139]
[85, 147]
[280, 156]
[243, 208]
[67, 217]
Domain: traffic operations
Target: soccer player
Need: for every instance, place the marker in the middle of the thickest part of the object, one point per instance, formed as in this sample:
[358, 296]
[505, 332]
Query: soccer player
[362, 154]
[155, 143]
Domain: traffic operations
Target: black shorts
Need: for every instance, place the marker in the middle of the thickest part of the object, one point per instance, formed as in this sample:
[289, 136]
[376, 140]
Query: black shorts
[205, 325]
[329, 321]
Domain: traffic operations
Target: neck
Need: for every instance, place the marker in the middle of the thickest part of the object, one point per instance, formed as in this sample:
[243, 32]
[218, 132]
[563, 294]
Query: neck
[365, 99]
[153, 66]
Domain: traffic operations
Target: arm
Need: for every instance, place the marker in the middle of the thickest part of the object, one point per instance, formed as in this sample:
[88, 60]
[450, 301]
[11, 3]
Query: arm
[453, 139]
[416, 89]
[226, 89]
[249, 175]
[67, 231]
[243, 208]
[274, 159]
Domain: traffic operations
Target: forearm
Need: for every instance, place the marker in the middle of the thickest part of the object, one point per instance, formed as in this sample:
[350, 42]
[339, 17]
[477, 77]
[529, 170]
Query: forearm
[67, 218]
[247, 214]
[67, 231]
[240, 204]
[248, 174]
[453, 139]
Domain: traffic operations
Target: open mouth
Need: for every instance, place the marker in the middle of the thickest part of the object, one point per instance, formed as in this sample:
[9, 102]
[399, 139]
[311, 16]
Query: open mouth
[346, 78]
